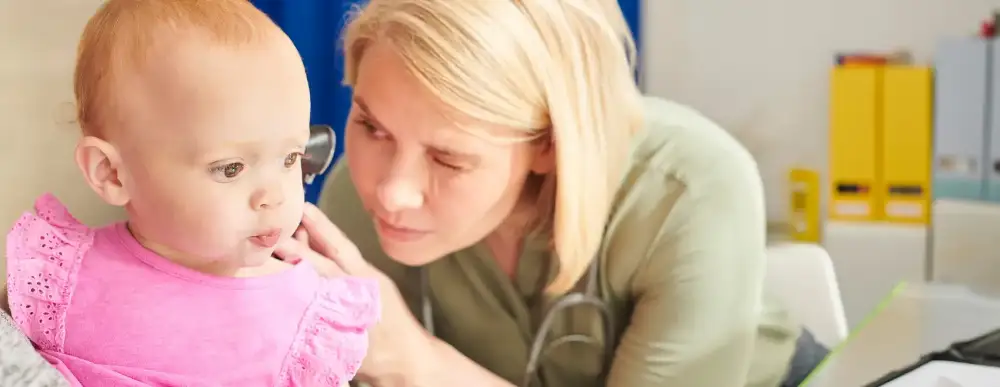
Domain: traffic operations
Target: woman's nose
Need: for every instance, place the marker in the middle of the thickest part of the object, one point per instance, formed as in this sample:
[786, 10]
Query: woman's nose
[397, 194]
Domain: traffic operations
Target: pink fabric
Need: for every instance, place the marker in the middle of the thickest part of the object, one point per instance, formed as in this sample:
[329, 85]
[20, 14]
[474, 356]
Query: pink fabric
[108, 312]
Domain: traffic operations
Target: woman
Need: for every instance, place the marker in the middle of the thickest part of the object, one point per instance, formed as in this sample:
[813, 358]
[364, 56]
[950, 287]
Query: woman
[495, 152]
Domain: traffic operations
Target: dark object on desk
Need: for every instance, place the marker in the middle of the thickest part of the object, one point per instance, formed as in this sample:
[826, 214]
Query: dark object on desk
[319, 152]
[983, 350]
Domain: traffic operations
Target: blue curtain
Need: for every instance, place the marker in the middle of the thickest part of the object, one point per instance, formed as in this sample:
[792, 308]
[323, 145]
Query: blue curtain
[633, 16]
[314, 26]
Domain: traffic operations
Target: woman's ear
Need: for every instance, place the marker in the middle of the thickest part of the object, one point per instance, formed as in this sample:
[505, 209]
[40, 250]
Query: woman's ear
[100, 164]
[544, 160]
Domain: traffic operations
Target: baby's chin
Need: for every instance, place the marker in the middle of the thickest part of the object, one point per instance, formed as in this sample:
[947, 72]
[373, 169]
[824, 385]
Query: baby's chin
[256, 266]
[258, 258]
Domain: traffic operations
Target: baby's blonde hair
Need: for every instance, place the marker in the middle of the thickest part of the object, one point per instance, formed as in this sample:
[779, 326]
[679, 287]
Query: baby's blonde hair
[559, 68]
[120, 35]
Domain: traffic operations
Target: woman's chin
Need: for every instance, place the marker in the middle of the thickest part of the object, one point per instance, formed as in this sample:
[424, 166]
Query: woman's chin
[411, 254]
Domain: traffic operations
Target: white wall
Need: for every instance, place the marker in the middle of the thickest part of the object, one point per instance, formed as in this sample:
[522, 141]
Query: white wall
[760, 67]
[37, 47]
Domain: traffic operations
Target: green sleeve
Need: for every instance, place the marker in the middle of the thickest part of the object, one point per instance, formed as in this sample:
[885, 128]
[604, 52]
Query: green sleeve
[698, 294]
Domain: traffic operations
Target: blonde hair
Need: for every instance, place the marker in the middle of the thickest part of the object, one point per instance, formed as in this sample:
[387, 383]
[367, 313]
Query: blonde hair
[559, 68]
[120, 35]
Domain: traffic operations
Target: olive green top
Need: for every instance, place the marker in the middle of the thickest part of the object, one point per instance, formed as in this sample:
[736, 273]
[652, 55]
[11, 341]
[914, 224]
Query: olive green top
[681, 269]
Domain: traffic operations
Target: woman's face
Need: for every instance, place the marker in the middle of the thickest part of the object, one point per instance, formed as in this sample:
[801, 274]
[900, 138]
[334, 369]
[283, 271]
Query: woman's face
[430, 187]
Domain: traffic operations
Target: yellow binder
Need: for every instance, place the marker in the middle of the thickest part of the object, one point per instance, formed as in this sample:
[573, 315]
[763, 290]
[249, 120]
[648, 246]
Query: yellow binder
[906, 143]
[804, 200]
[854, 144]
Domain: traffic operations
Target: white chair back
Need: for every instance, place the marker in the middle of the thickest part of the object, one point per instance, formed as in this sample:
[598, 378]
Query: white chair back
[801, 276]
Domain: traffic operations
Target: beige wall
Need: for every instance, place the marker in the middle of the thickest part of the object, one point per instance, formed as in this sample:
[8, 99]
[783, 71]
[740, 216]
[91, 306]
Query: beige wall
[37, 45]
[760, 67]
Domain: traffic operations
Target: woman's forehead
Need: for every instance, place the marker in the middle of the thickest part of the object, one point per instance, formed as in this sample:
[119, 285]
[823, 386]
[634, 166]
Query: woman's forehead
[396, 101]
[432, 125]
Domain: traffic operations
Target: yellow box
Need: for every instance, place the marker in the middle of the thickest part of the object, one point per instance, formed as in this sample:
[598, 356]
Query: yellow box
[907, 135]
[804, 212]
[854, 143]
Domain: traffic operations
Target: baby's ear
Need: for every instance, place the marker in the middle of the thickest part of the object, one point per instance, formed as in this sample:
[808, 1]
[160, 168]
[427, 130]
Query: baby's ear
[100, 164]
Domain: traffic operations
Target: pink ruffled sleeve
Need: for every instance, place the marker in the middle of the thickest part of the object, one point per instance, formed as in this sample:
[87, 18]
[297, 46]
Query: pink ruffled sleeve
[334, 335]
[44, 251]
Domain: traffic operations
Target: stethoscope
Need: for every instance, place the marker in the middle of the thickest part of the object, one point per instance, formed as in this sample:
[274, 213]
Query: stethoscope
[584, 294]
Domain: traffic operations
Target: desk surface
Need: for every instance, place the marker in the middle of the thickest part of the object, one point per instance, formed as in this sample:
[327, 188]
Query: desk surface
[919, 320]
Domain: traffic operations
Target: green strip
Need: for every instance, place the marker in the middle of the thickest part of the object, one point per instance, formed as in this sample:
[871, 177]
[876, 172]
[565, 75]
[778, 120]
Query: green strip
[864, 323]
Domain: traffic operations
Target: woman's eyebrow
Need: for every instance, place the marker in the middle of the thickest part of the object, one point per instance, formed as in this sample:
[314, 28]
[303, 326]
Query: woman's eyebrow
[367, 112]
[448, 152]
[438, 149]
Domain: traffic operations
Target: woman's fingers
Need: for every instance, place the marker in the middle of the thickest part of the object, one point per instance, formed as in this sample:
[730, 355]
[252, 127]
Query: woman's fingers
[301, 235]
[291, 250]
[328, 240]
[315, 221]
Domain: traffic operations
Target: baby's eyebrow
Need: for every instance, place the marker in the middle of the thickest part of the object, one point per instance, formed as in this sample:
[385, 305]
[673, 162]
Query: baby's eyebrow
[293, 142]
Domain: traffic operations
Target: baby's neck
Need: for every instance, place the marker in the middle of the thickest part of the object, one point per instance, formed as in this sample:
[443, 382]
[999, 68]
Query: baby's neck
[218, 268]
[272, 266]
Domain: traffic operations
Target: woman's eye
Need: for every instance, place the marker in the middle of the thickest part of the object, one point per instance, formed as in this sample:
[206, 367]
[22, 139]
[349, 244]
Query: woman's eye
[449, 165]
[229, 171]
[371, 129]
[292, 159]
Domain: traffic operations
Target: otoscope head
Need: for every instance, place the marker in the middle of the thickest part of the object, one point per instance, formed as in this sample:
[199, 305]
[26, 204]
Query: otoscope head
[319, 152]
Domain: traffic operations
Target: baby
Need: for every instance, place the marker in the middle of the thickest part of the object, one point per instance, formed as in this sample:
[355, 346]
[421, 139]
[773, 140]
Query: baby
[194, 116]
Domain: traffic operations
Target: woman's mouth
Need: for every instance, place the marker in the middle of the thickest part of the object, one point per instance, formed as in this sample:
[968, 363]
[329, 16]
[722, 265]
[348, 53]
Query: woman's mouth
[398, 233]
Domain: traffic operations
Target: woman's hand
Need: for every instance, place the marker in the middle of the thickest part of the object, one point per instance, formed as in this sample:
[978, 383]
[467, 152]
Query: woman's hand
[398, 334]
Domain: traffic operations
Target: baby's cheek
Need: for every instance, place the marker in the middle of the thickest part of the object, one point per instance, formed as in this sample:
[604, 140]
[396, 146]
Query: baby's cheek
[217, 229]
[292, 215]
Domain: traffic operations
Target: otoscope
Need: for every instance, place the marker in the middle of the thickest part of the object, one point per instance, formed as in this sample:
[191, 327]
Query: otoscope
[319, 152]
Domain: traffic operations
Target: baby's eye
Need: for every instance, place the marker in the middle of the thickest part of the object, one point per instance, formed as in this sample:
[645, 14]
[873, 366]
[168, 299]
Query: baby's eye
[229, 171]
[292, 159]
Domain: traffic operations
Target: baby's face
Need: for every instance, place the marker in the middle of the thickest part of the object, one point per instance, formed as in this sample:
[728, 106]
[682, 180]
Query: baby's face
[212, 143]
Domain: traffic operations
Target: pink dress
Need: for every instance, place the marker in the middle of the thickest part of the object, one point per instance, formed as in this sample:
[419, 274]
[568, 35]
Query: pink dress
[108, 312]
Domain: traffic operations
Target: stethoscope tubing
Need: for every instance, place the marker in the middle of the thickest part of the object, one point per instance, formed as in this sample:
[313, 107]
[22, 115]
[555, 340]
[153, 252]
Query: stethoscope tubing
[539, 345]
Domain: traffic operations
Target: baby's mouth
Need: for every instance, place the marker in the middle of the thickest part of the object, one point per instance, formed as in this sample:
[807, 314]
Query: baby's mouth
[267, 239]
